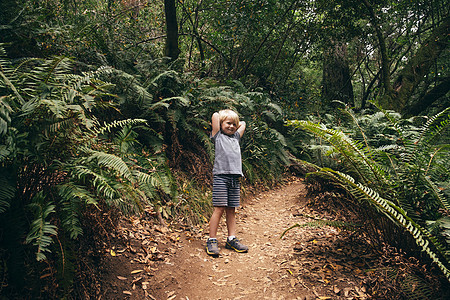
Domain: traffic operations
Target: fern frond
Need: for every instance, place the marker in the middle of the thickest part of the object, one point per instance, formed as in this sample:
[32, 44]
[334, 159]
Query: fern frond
[131, 199]
[41, 230]
[10, 85]
[147, 183]
[70, 190]
[7, 192]
[164, 75]
[181, 100]
[437, 193]
[352, 152]
[101, 183]
[416, 288]
[113, 162]
[71, 197]
[154, 179]
[125, 139]
[5, 114]
[322, 223]
[420, 235]
[118, 123]
[430, 130]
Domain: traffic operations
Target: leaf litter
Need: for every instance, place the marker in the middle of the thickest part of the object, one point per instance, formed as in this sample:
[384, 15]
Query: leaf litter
[307, 263]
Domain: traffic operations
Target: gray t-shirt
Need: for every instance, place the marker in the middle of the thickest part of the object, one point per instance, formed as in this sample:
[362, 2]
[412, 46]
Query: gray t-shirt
[227, 154]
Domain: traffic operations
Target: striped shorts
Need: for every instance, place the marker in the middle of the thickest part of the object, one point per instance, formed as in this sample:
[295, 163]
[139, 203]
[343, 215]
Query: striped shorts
[226, 190]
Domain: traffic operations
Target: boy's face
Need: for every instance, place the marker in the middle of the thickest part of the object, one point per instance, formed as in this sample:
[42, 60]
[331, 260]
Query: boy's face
[228, 127]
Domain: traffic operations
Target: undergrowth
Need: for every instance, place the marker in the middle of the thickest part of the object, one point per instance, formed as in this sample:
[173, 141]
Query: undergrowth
[396, 177]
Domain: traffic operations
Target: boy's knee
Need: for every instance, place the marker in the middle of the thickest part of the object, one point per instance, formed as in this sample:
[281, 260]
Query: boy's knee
[230, 209]
[219, 209]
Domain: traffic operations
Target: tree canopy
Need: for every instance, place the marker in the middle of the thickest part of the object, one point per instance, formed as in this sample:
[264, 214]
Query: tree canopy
[105, 107]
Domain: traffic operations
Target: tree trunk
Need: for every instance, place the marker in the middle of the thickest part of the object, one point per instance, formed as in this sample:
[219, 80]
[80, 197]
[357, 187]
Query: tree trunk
[397, 95]
[434, 94]
[171, 49]
[16, 33]
[337, 84]
[418, 67]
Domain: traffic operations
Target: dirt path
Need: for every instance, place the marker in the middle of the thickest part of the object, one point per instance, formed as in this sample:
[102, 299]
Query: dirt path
[307, 263]
[257, 274]
[274, 268]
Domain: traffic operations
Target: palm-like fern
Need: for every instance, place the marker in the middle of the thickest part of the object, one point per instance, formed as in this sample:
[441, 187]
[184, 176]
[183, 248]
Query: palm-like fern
[403, 181]
[47, 127]
[41, 229]
[321, 223]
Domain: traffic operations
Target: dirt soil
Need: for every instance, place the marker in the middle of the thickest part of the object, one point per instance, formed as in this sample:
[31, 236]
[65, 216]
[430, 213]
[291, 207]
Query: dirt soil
[154, 262]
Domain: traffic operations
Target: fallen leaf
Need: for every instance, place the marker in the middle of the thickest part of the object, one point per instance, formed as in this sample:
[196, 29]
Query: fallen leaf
[293, 282]
[346, 292]
[136, 280]
[121, 278]
[127, 293]
[136, 271]
[336, 290]
[112, 253]
[170, 294]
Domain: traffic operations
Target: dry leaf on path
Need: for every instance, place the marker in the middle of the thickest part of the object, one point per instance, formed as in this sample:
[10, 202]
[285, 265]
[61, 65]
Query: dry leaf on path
[336, 290]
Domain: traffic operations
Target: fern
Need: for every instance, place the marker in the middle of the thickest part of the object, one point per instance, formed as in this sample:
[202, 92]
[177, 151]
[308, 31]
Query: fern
[7, 192]
[41, 231]
[117, 124]
[355, 155]
[400, 181]
[111, 162]
[72, 196]
[395, 213]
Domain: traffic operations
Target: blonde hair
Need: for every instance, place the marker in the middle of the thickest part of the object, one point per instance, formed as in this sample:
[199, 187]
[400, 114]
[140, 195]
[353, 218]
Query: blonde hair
[228, 113]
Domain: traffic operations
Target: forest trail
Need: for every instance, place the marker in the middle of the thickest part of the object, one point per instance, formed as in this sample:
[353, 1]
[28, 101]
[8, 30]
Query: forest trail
[262, 273]
[307, 263]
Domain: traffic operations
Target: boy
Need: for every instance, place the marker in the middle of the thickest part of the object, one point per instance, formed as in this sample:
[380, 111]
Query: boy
[226, 133]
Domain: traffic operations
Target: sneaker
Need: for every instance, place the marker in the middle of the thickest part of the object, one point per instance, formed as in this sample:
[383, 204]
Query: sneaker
[212, 248]
[235, 245]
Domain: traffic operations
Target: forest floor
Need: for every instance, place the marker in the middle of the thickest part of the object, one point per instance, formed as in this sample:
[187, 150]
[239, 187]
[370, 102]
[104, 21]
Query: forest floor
[153, 262]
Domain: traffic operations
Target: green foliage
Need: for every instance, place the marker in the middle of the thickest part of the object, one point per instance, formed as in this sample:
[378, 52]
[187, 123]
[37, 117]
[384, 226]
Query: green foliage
[321, 223]
[58, 161]
[406, 180]
[264, 148]
[179, 107]
[413, 286]
[41, 231]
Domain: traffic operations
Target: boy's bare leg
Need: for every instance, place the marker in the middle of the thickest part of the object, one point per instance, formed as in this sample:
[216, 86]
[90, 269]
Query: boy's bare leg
[215, 220]
[231, 220]
[234, 243]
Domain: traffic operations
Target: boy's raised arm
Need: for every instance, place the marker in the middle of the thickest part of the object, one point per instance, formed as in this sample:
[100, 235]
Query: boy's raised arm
[241, 128]
[215, 120]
